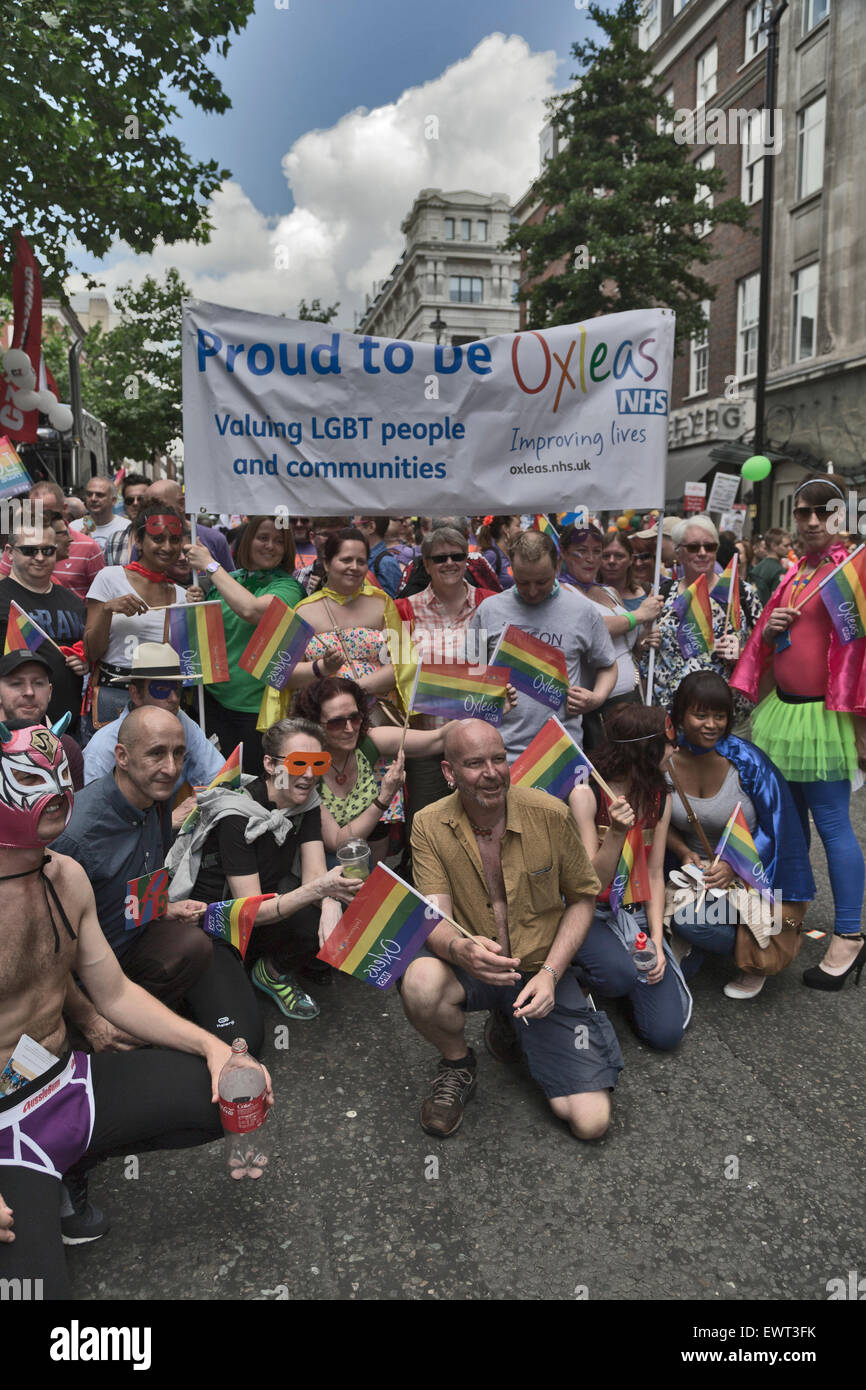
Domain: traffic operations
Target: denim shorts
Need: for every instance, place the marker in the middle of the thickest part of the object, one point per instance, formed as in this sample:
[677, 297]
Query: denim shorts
[572, 1050]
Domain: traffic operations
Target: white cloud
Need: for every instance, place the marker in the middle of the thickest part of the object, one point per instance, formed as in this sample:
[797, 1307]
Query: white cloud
[354, 183]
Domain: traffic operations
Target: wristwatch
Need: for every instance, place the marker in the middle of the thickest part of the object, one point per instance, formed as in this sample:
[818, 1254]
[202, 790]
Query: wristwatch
[212, 567]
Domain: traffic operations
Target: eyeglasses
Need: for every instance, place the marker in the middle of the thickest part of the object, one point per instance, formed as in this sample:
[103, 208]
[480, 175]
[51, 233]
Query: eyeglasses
[803, 513]
[296, 764]
[31, 550]
[709, 546]
[642, 557]
[455, 557]
[336, 726]
[160, 690]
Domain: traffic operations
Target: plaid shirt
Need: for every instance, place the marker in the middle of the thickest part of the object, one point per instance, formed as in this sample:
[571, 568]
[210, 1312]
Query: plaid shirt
[440, 636]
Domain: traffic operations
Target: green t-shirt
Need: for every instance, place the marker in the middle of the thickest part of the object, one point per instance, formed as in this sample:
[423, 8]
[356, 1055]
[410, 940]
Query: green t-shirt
[242, 691]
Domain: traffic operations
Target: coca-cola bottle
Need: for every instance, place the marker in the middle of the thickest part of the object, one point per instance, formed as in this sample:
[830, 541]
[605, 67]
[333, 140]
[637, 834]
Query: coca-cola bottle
[243, 1111]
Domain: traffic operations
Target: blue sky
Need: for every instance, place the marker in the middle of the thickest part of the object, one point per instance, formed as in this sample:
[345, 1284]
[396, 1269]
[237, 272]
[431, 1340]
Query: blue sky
[324, 137]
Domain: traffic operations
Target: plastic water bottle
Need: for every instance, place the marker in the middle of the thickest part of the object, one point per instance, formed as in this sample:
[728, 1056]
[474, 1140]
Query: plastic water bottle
[243, 1112]
[643, 953]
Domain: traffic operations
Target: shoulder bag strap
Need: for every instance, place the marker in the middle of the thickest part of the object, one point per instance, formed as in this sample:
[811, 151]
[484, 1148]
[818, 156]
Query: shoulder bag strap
[693, 820]
[338, 630]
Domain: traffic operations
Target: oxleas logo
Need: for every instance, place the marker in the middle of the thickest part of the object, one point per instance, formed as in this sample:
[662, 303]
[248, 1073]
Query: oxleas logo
[77, 1343]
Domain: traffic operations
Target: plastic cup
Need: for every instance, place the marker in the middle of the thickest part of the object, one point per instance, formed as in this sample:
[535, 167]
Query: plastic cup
[354, 860]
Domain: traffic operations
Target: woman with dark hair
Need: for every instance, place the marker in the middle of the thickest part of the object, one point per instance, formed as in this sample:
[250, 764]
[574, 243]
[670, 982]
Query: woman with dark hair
[495, 537]
[810, 720]
[265, 558]
[716, 770]
[125, 606]
[632, 761]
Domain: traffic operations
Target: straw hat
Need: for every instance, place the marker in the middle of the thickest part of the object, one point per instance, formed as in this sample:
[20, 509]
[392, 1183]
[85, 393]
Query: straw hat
[154, 661]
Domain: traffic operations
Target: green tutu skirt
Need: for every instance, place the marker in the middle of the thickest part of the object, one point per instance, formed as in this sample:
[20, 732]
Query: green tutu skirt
[808, 742]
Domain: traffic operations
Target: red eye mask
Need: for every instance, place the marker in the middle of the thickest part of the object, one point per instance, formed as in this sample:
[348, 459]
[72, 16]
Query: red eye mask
[155, 525]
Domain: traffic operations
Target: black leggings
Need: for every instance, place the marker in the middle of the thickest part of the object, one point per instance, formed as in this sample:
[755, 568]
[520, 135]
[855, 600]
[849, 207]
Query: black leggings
[143, 1101]
[232, 727]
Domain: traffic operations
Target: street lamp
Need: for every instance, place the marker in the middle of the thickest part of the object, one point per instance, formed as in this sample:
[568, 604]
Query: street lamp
[439, 325]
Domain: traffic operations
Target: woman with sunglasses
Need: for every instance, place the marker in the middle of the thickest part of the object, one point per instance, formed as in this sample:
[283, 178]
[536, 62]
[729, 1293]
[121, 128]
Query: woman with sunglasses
[265, 558]
[632, 761]
[255, 837]
[126, 605]
[811, 720]
[715, 771]
[582, 550]
[696, 541]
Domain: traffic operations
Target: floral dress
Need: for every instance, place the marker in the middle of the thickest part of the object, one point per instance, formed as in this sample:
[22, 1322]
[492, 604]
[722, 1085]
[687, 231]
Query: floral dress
[670, 664]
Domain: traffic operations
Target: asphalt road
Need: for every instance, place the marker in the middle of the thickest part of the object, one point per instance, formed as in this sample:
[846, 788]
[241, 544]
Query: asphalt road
[732, 1169]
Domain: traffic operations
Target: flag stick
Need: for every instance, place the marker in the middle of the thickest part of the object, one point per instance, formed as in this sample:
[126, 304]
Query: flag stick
[651, 664]
[734, 580]
[728, 828]
[597, 775]
[200, 684]
[831, 575]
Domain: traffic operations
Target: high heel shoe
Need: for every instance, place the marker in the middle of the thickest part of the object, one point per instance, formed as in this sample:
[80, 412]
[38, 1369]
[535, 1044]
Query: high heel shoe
[816, 978]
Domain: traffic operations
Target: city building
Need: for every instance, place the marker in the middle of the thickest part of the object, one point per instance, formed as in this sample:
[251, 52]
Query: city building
[452, 284]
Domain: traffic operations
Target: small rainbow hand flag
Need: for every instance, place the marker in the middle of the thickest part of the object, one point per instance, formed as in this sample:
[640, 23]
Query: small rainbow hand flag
[537, 668]
[737, 848]
[228, 777]
[551, 763]
[277, 645]
[695, 614]
[196, 632]
[631, 881]
[452, 692]
[381, 931]
[233, 920]
[542, 523]
[844, 596]
[727, 591]
[22, 634]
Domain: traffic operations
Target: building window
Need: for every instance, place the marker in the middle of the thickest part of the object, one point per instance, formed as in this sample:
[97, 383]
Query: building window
[650, 23]
[664, 124]
[699, 358]
[703, 196]
[708, 64]
[679, 6]
[481, 224]
[464, 289]
[805, 312]
[756, 41]
[547, 144]
[813, 12]
[810, 147]
[465, 229]
[753, 159]
[748, 292]
[515, 291]
[449, 228]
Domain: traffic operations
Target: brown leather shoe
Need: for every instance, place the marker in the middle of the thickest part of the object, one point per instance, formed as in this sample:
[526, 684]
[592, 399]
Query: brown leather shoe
[500, 1039]
[442, 1110]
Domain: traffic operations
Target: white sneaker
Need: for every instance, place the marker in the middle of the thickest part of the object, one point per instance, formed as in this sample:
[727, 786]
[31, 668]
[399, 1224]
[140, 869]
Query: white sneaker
[737, 989]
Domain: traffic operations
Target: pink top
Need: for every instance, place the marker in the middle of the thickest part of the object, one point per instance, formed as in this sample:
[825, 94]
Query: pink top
[801, 669]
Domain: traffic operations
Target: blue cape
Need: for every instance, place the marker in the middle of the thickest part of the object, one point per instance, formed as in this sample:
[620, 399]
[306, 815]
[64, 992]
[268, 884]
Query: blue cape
[778, 835]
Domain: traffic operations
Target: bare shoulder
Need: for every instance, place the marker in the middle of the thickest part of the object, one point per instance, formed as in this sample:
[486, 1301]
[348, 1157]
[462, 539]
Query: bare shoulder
[70, 882]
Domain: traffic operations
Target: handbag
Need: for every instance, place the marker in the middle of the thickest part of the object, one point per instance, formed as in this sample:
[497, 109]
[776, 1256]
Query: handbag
[760, 948]
[383, 711]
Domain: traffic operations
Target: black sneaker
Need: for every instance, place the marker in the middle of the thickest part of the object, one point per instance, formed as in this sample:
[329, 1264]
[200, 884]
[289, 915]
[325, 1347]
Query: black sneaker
[442, 1110]
[80, 1221]
[500, 1039]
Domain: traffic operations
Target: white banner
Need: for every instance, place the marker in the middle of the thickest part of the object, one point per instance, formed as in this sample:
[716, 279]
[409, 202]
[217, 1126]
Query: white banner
[283, 414]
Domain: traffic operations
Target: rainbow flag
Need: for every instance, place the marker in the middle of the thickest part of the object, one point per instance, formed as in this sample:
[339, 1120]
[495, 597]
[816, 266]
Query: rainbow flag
[844, 596]
[381, 931]
[536, 668]
[695, 614]
[551, 763]
[541, 523]
[233, 921]
[229, 775]
[22, 634]
[277, 645]
[727, 589]
[454, 693]
[737, 848]
[196, 632]
[630, 883]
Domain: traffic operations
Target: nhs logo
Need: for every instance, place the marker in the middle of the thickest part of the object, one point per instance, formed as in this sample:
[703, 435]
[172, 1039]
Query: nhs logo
[638, 400]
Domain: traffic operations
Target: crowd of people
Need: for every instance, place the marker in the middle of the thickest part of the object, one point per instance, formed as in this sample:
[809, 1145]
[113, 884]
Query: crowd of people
[103, 759]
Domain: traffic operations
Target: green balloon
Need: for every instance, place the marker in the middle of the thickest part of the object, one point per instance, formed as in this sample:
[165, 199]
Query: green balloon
[756, 468]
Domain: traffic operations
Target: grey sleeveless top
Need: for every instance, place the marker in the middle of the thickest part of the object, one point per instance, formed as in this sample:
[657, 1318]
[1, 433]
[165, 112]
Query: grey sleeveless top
[712, 812]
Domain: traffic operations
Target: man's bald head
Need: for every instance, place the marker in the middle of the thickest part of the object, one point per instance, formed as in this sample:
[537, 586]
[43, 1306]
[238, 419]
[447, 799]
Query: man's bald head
[146, 723]
[149, 755]
[470, 738]
[166, 491]
[475, 762]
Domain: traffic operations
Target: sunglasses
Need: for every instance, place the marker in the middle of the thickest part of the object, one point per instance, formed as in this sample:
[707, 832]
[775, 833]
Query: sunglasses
[709, 546]
[455, 557]
[31, 550]
[641, 557]
[803, 513]
[296, 764]
[156, 526]
[335, 726]
[160, 690]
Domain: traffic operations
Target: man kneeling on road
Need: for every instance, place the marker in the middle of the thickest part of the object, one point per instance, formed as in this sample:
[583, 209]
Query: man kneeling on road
[76, 1109]
[507, 862]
